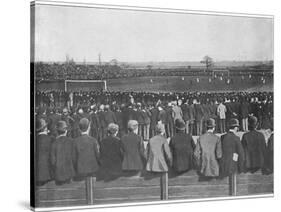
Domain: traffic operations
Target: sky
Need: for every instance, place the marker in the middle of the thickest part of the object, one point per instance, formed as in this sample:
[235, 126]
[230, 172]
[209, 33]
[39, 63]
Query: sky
[145, 36]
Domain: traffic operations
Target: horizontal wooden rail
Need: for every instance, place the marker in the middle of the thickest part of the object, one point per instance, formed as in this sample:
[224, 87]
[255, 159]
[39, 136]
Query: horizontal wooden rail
[150, 187]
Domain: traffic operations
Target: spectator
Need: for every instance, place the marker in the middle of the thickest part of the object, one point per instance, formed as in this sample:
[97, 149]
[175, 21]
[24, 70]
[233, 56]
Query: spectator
[61, 155]
[254, 146]
[111, 155]
[43, 150]
[208, 151]
[182, 147]
[133, 149]
[221, 110]
[159, 156]
[232, 151]
[85, 152]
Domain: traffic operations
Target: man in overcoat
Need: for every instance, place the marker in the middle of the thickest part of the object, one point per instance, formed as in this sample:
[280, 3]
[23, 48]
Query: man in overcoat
[254, 146]
[111, 153]
[182, 147]
[61, 155]
[159, 156]
[154, 119]
[85, 152]
[232, 151]
[133, 149]
[43, 149]
[208, 151]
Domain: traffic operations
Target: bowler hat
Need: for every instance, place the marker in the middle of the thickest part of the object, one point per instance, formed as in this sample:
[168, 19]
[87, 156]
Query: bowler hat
[112, 128]
[132, 124]
[211, 122]
[40, 124]
[61, 126]
[84, 124]
[179, 124]
[253, 121]
[233, 122]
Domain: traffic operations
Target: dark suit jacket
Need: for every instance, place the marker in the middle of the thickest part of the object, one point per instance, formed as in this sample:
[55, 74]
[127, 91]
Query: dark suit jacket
[133, 151]
[254, 146]
[244, 109]
[182, 147]
[109, 117]
[231, 144]
[154, 117]
[42, 160]
[85, 155]
[61, 158]
[199, 114]
[111, 154]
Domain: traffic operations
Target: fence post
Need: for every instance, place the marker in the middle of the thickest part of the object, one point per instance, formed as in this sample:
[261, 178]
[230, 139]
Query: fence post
[90, 182]
[233, 184]
[164, 186]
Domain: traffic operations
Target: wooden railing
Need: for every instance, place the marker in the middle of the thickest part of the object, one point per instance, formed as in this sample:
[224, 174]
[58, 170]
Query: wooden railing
[150, 187]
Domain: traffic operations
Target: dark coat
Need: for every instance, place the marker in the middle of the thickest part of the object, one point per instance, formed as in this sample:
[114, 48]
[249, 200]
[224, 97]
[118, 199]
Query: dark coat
[254, 147]
[244, 109]
[199, 114]
[61, 159]
[85, 155]
[95, 125]
[133, 151]
[231, 144]
[111, 155]
[109, 117]
[43, 153]
[154, 117]
[182, 147]
[53, 120]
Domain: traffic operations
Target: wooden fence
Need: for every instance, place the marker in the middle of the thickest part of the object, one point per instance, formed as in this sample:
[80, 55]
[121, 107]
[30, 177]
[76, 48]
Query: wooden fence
[150, 187]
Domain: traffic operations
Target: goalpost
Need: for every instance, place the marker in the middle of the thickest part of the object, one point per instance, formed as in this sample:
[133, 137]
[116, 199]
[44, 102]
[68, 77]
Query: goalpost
[85, 85]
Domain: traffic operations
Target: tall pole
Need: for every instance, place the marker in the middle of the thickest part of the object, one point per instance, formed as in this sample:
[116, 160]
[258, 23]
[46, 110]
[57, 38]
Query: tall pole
[99, 58]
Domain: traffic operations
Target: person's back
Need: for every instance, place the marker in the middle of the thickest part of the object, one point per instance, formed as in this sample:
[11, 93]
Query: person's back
[61, 159]
[86, 155]
[211, 152]
[133, 152]
[254, 146]
[182, 147]
[111, 151]
[43, 149]
[159, 156]
[232, 151]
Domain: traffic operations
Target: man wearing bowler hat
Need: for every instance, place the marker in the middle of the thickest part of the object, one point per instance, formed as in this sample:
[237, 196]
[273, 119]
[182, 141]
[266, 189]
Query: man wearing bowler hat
[208, 151]
[61, 155]
[43, 149]
[182, 147]
[85, 152]
[232, 151]
[255, 146]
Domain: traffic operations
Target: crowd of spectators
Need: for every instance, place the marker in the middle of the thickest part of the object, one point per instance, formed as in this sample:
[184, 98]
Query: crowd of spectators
[71, 70]
[104, 132]
[195, 107]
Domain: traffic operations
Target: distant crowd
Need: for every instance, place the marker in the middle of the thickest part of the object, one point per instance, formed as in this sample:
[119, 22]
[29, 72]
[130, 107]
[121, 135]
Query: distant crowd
[71, 70]
[103, 108]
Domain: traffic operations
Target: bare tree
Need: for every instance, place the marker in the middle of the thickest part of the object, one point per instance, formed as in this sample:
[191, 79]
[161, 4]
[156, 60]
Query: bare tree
[208, 61]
